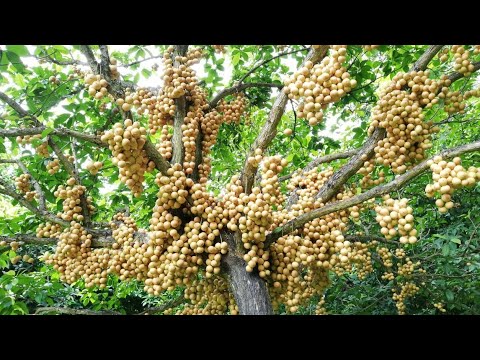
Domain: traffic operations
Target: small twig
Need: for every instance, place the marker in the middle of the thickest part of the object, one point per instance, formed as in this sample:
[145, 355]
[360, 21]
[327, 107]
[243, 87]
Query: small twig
[140, 61]
[267, 61]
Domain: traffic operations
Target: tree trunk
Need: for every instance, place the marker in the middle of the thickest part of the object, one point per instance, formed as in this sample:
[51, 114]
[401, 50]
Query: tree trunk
[249, 290]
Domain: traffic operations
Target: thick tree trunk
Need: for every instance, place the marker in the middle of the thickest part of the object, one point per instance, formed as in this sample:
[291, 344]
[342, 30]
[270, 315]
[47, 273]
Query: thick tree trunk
[249, 290]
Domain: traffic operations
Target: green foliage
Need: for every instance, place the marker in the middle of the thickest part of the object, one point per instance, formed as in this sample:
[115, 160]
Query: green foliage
[448, 245]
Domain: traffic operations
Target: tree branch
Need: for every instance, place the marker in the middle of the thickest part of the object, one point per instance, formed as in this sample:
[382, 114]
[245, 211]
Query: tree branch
[21, 111]
[68, 166]
[269, 129]
[36, 185]
[58, 62]
[97, 241]
[239, 87]
[161, 164]
[455, 75]
[92, 62]
[162, 308]
[9, 191]
[105, 62]
[251, 71]
[396, 184]
[178, 151]
[321, 160]
[83, 198]
[60, 131]
[333, 185]
[116, 88]
[427, 56]
[69, 311]
[140, 61]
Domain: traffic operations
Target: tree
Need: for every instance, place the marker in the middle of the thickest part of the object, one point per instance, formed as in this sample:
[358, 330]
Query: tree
[247, 232]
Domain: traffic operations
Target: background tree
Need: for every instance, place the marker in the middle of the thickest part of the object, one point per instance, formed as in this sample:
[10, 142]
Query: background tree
[192, 197]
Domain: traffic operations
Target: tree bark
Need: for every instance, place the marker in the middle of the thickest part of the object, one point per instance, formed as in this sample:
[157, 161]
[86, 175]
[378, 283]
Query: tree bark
[249, 289]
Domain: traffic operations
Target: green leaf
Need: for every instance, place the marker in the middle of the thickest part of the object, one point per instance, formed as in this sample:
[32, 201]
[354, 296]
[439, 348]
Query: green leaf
[19, 80]
[46, 132]
[449, 294]
[20, 50]
[60, 120]
[236, 59]
[456, 241]
[445, 250]
[15, 61]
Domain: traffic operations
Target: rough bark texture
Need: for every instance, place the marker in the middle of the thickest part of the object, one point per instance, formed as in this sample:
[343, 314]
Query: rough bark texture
[333, 185]
[427, 56]
[161, 164]
[249, 290]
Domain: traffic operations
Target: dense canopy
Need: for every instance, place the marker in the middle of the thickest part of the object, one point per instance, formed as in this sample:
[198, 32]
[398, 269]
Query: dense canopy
[239, 179]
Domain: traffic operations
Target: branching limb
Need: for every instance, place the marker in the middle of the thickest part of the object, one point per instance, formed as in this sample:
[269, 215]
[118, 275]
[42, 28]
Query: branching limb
[396, 184]
[83, 197]
[239, 87]
[320, 160]
[140, 61]
[68, 166]
[36, 185]
[252, 70]
[269, 129]
[8, 190]
[161, 164]
[333, 185]
[455, 75]
[97, 241]
[117, 89]
[16, 106]
[105, 62]
[92, 62]
[427, 56]
[60, 131]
